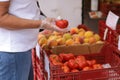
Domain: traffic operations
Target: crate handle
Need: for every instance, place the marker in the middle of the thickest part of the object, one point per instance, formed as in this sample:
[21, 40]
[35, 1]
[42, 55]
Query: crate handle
[105, 34]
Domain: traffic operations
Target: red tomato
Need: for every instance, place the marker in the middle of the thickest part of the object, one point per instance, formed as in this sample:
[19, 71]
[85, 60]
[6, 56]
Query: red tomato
[72, 64]
[91, 62]
[66, 63]
[74, 70]
[66, 56]
[82, 58]
[81, 62]
[87, 68]
[97, 66]
[61, 23]
[65, 68]
[57, 63]
[55, 59]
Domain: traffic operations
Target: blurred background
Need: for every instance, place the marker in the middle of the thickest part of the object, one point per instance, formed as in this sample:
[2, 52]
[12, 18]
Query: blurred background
[87, 12]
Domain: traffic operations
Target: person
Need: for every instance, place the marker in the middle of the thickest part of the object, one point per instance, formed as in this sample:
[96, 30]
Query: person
[19, 27]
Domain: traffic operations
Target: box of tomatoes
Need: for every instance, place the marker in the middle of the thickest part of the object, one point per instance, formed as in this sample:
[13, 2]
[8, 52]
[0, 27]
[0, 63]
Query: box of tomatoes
[104, 65]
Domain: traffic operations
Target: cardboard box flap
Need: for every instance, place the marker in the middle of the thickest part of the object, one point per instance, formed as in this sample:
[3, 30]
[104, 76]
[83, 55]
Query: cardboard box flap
[96, 48]
[76, 49]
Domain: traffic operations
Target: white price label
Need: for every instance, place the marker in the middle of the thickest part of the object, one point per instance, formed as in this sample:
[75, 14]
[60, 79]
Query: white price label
[112, 20]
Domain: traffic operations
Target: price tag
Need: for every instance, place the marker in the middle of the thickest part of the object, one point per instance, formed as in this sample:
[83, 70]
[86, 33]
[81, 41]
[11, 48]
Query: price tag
[107, 65]
[112, 20]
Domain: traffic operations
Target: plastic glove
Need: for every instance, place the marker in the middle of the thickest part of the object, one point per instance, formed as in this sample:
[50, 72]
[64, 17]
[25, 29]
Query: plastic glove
[49, 23]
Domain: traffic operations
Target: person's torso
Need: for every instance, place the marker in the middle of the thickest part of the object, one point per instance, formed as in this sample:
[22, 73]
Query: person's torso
[20, 40]
[24, 8]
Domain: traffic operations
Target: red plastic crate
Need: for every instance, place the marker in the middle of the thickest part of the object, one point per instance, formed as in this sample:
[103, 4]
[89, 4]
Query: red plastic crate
[105, 8]
[38, 66]
[112, 35]
[118, 29]
[107, 55]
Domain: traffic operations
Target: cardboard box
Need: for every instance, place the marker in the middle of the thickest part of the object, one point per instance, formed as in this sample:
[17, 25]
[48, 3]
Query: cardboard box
[96, 48]
[78, 48]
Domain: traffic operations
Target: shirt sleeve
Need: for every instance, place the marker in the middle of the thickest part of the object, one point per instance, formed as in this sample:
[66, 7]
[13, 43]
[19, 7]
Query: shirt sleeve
[3, 0]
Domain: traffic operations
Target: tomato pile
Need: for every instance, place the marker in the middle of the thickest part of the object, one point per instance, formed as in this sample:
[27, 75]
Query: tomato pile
[72, 63]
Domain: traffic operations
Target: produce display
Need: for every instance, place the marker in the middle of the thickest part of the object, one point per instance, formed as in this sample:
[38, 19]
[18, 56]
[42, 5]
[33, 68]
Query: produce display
[72, 63]
[74, 36]
[78, 55]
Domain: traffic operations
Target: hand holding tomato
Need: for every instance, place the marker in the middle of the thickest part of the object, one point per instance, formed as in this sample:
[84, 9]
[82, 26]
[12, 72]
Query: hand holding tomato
[50, 24]
[62, 23]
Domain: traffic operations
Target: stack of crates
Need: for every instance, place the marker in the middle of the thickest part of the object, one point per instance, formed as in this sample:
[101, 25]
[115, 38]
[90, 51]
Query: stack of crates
[38, 65]
[109, 54]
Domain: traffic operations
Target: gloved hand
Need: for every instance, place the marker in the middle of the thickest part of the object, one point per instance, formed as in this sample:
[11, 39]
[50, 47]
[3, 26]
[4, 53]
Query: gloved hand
[49, 23]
